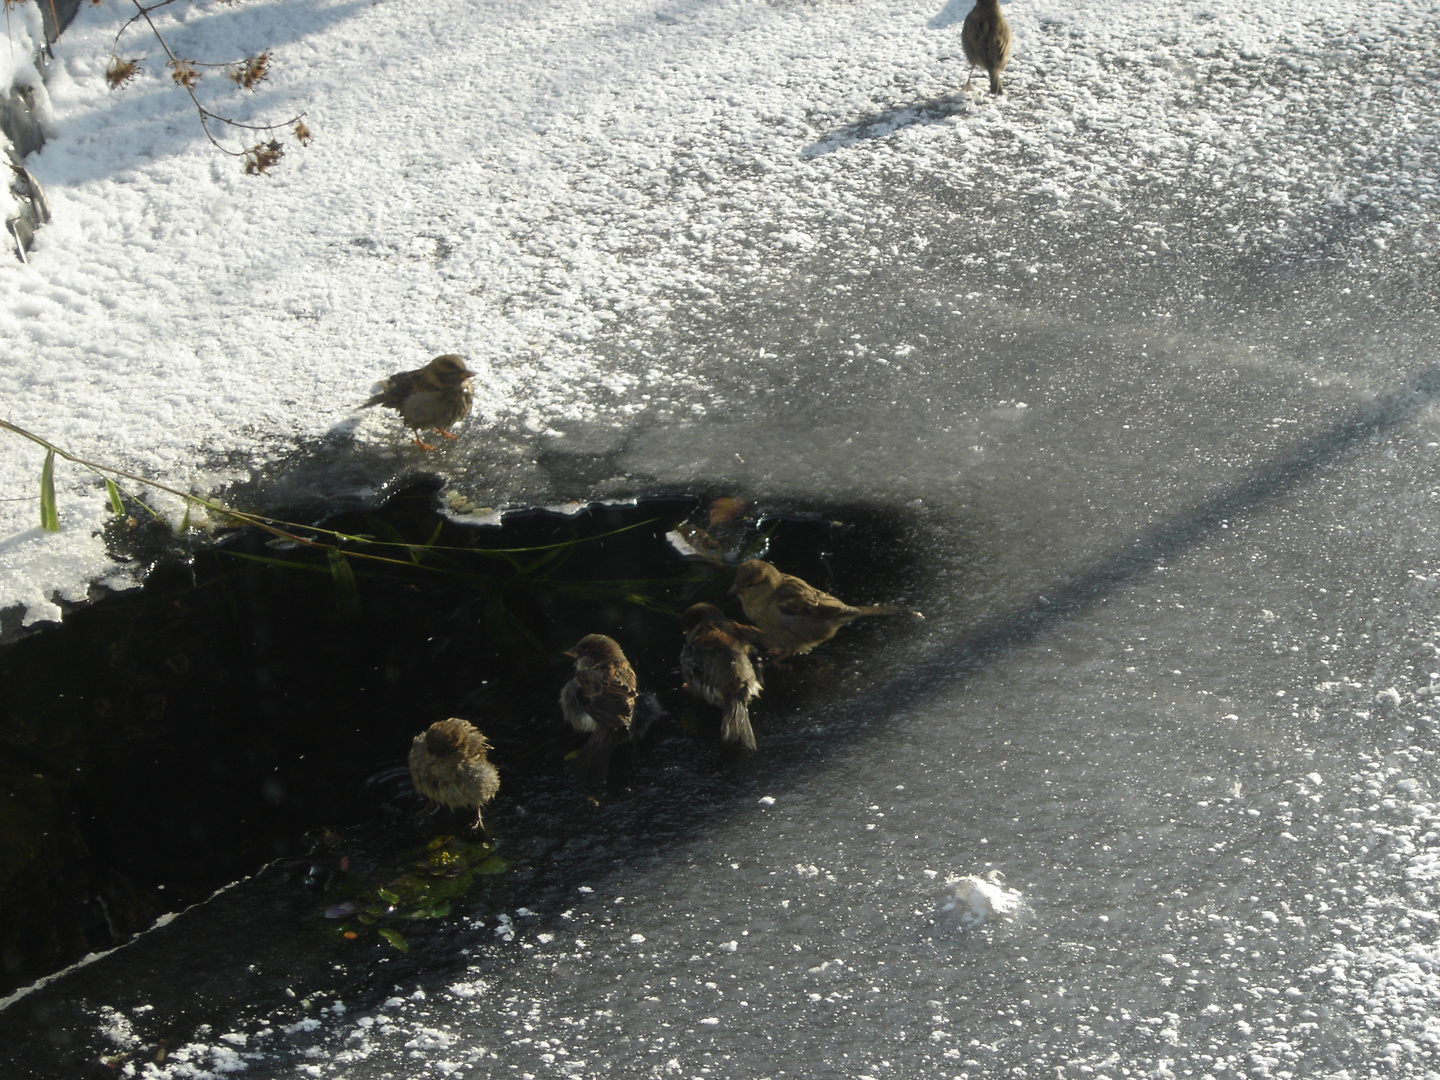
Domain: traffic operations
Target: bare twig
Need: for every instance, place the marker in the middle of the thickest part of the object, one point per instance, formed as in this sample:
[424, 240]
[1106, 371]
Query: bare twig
[247, 74]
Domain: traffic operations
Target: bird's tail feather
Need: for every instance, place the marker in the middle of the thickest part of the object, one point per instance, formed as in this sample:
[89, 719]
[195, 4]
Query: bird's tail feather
[995, 85]
[886, 609]
[735, 724]
[593, 760]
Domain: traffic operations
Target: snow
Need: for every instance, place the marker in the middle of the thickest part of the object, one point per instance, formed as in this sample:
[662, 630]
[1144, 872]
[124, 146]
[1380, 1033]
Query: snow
[537, 189]
[544, 189]
[978, 900]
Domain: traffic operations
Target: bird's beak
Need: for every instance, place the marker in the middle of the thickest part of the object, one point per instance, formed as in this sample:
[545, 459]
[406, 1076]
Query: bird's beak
[570, 653]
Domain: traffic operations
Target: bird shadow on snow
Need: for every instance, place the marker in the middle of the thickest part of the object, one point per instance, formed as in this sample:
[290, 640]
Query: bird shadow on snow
[878, 125]
[886, 122]
[952, 14]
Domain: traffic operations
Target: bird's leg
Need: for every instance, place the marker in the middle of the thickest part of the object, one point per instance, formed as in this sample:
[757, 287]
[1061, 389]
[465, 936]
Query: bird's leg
[445, 434]
[970, 79]
[423, 444]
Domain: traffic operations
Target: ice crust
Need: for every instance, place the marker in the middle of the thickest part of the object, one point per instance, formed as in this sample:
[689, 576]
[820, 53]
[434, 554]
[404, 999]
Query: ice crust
[545, 189]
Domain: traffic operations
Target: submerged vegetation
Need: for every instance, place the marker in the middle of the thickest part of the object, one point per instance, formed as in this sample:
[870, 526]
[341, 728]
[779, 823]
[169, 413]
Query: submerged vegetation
[421, 884]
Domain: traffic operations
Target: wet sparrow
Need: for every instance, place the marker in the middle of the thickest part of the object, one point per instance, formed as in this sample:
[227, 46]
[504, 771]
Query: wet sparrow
[717, 666]
[448, 766]
[435, 396]
[794, 616]
[986, 39]
[716, 535]
[599, 700]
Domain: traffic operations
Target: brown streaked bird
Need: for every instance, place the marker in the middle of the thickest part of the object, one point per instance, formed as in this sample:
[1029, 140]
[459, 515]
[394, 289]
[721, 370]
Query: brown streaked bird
[718, 668]
[727, 532]
[449, 766]
[435, 396]
[986, 40]
[793, 615]
[599, 700]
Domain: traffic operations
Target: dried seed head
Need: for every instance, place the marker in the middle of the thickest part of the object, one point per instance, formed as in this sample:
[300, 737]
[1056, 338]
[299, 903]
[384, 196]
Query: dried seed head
[120, 72]
[184, 73]
[302, 133]
[251, 71]
[262, 157]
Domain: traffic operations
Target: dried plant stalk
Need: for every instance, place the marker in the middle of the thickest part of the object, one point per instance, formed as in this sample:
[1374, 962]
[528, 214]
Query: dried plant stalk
[247, 74]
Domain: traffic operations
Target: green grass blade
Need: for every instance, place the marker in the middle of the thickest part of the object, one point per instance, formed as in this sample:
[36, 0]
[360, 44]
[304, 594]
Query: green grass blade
[347, 596]
[269, 560]
[154, 514]
[116, 506]
[49, 515]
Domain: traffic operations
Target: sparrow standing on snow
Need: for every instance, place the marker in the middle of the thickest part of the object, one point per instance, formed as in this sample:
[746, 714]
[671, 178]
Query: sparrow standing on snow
[599, 700]
[448, 766]
[986, 40]
[717, 666]
[435, 396]
[794, 616]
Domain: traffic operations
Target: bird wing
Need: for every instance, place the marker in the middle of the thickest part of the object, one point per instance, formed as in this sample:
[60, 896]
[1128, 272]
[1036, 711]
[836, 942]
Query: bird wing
[798, 599]
[750, 635]
[609, 701]
[720, 638]
[395, 390]
[986, 40]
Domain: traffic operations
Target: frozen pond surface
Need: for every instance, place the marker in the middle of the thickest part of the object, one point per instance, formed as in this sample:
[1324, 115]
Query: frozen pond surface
[1144, 356]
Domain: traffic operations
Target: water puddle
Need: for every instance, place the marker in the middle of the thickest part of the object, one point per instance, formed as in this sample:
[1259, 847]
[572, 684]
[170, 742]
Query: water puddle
[252, 706]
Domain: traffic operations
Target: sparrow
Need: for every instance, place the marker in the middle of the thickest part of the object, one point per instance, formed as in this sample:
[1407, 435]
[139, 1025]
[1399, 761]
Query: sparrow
[599, 700]
[794, 616]
[718, 668]
[448, 766]
[986, 40]
[727, 531]
[435, 396]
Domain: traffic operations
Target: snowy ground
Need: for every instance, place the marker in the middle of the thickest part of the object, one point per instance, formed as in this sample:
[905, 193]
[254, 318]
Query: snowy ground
[543, 190]
[768, 247]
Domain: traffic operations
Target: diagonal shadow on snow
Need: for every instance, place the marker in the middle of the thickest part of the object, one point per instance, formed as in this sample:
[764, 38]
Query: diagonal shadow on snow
[1067, 599]
[879, 125]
